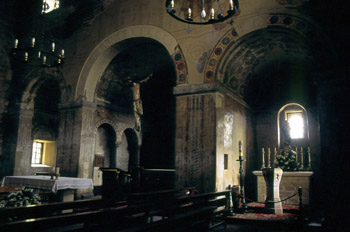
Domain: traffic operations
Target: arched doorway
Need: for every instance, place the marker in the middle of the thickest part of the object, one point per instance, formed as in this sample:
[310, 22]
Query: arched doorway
[105, 151]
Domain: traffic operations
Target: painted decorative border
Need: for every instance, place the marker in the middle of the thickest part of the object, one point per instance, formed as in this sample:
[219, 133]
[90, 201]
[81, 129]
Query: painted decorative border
[180, 66]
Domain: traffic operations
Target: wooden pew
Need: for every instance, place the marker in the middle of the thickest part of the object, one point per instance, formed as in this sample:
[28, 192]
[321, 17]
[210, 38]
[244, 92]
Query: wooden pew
[50, 209]
[135, 215]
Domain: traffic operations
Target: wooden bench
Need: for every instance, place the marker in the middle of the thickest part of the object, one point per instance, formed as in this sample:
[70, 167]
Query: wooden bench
[184, 213]
[57, 208]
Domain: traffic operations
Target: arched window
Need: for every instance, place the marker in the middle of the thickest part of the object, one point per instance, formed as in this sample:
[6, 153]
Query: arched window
[292, 123]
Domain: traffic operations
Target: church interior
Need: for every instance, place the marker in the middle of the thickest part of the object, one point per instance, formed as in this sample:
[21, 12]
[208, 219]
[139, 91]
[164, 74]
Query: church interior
[89, 87]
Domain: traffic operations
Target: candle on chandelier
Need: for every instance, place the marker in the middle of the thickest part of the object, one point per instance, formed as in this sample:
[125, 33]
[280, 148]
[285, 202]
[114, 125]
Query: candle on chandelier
[44, 60]
[212, 16]
[62, 53]
[26, 56]
[172, 4]
[53, 46]
[33, 42]
[203, 14]
[189, 13]
[231, 5]
[16, 43]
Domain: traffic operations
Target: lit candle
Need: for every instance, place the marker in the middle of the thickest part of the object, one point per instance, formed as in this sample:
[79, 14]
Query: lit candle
[59, 60]
[189, 13]
[57, 173]
[26, 56]
[263, 157]
[53, 46]
[301, 158]
[16, 43]
[62, 53]
[44, 60]
[240, 151]
[309, 154]
[231, 5]
[39, 54]
[33, 42]
[172, 4]
[212, 16]
[268, 158]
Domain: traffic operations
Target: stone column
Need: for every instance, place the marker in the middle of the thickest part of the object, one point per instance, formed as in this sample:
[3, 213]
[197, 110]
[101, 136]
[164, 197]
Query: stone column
[195, 159]
[273, 178]
[113, 160]
[24, 143]
[75, 143]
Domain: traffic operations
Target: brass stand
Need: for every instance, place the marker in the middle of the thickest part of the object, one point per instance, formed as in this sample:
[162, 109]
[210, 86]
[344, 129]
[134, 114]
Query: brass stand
[244, 207]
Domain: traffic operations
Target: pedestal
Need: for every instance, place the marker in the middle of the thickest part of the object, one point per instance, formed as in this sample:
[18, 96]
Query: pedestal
[272, 178]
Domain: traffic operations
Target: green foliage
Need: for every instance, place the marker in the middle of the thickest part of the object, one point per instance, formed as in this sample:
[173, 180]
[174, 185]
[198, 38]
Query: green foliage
[286, 160]
[20, 197]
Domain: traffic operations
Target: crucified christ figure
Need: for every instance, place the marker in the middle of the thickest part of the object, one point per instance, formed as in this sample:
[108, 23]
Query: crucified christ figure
[137, 103]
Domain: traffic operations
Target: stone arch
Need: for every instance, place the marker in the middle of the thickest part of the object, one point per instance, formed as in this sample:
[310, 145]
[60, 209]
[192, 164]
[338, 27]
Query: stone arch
[35, 79]
[104, 52]
[231, 47]
[25, 98]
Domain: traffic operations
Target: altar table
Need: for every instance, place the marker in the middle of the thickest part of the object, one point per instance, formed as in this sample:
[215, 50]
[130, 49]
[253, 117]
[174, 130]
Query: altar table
[64, 186]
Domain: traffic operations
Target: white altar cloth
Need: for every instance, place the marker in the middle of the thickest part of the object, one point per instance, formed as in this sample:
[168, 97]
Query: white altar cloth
[45, 182]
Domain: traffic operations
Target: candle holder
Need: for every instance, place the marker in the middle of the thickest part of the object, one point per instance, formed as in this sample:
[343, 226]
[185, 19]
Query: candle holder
[244, 207]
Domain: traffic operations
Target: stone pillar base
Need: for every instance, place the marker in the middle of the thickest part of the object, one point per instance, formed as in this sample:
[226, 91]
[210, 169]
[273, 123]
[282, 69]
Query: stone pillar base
[273, 178]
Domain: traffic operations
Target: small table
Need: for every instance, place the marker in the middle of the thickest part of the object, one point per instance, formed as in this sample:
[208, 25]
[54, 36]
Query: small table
[63, 186]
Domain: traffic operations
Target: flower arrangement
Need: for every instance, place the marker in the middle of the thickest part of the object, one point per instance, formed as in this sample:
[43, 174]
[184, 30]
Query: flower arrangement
[20, 197]
[286, 159]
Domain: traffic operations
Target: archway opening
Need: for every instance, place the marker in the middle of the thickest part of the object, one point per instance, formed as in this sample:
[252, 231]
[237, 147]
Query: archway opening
[138, 83]
[45, 125]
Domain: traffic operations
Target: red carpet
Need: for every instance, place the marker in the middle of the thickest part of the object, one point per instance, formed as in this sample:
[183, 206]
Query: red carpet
[256, 213]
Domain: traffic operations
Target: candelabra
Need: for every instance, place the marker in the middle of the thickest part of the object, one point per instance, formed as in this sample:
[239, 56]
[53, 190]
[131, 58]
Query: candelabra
[39, 48]
[244, 207]
[202, 12]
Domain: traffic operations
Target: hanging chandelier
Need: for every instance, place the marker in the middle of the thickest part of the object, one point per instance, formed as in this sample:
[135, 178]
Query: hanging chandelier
[40, 48]
[202, 11]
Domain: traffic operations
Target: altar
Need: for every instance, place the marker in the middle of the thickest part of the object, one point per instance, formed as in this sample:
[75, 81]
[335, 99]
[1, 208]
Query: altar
[290, 182]
[64, 187]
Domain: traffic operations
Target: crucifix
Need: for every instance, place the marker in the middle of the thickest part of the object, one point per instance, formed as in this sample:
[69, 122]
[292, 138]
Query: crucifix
[137, 102]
